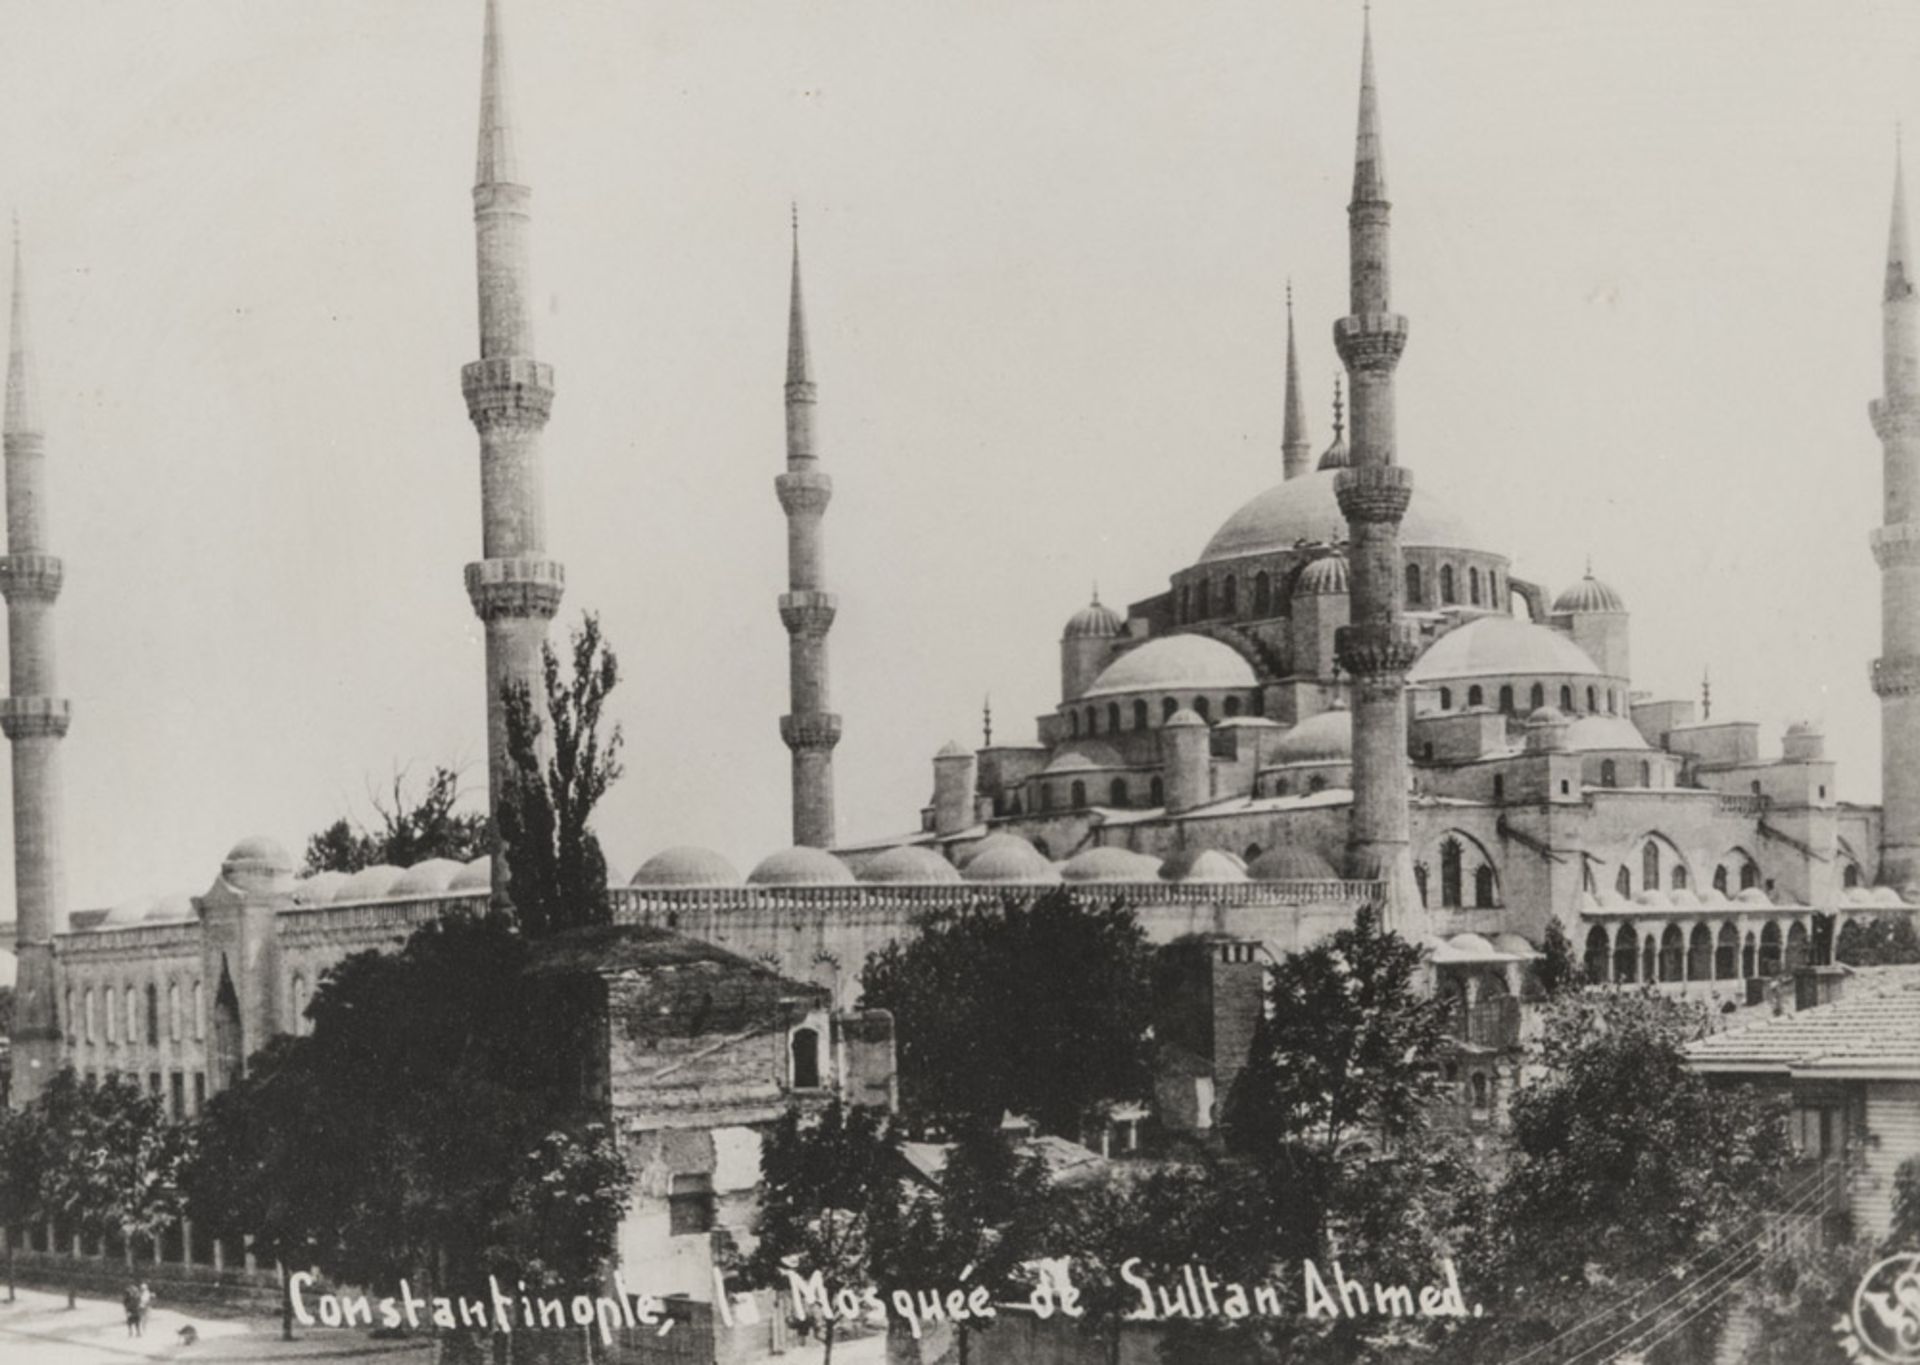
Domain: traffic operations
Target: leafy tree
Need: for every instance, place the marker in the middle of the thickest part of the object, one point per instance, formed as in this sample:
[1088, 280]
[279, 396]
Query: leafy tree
[23, 1151]
[1904, 1232]
[1041, 1008]
[824, 1183]
[557, 876]
[412, 829]
[1558, 968]
[1794, 1300]
[1883, 940]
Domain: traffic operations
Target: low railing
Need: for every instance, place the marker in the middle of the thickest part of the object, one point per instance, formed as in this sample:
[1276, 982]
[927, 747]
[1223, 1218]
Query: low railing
[636, 902]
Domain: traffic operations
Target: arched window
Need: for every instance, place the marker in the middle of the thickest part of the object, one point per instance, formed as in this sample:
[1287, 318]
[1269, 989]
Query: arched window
[1850, 876]
[1673, 964]
[1413, 585]
[153, 1014]
[1726, 954]
[1262, 594]
[1646, 773]
[1700, 954]
[1249, 853]
[1566, 697]
[1046, 797]
[1797, 950]
[1770, 949]
[133, 1015]
[1203, 708]
[1506, 698]
[1623, 883]
[1230, 596]
[1608, 776]
[1093, 717]
[1446, 699]
[1079, 794]
[1139, 714]
[1626, 954]
[1481, 1093]
[1754, 786]
[1282, 787]
[1473, 586]
[1186, 601]
[1475, 697]
[112, 1012]
[1679, 877]
[1168, 707]
[1537, 698]
[1202, 608]
[1720, 880]
[1483, 887]
[72, 1020]
[1450, 856]
[1499, 788]
[1599, 954]
[1073, 725]
[1650, 867]
[1113, 717]
[1316, 783]
[199, 1012]
[1590, 700]
[1446, 585]
[173, 1011]
[1117, 793]
[1747, 962]
[1231, 707]
[806, 1059]
[1157, 792]
[1749, 876]
[91, 1015]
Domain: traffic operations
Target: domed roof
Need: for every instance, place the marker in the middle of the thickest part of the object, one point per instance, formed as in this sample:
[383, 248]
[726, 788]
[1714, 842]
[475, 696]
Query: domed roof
[1317, 739]
[258, 848]
[800, 867]
[1175, 661]
[1656, 899]
[1093, 622]
[967, 852]
[368, 884]
[474, 876]
[428, 878]
[1469, 943]
[1489, 646]
[171, 909]
[1327, 574]
[1605, 732]
[1186, 718]
[317, 889]
[258, 864]
[1110, 865]
[1303, 509]
[1753, 895]
[1681, 898]
[1083, 755]
[1013, 861]
[130, 911]
[1548, 715]
[686, 865]
[1589, 594]
[1513, 943]
[952, 749]
[1202, 865]
[914, 863]
[1290, 863]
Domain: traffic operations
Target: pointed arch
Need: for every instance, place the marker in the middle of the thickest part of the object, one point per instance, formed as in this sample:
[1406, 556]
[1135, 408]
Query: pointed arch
[1599, 955]
[1700, 954]
[1469, 874]
[1626, 954]
[1726, 954]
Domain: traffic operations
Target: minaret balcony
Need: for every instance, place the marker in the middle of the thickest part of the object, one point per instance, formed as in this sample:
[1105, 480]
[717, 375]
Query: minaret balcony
[1896, 546]
[35, 717]
[808, 613]
[810, 730]
[507, 391]
[1370, 343]
[1897, 676]
[1373, 493]
[516, 588]
[31, 577]
[1375, 650]
[804, 492]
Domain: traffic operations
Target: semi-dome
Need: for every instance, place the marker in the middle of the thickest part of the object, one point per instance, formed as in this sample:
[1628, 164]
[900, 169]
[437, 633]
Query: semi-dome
[800, 866]
[1327, 574]
[1014, 861]
[1093, 622]
[1289, 863]
[1202, 865]
[686, 865]
[368, 884]
[473, 876]
[1589, 594]
[1327, 737]
[1110, 865]
[1303, 509]
[1175, 662]
[1493, 646]
[1083, 755]
[910, 863]
[317, 889]
[428, 878]
[1605, 732]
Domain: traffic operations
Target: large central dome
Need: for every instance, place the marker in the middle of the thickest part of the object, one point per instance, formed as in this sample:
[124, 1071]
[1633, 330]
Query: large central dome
[1304, 509]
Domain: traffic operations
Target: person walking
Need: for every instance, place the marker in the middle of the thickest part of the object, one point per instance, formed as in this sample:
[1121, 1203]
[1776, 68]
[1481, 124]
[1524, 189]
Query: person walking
[130, 1300]
[146, 1304]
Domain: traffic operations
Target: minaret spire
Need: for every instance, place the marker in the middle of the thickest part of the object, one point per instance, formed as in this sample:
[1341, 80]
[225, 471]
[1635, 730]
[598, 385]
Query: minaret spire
[33, 718]
[1369, 156]
[1296, 454]
[810, 728]
[515, 589]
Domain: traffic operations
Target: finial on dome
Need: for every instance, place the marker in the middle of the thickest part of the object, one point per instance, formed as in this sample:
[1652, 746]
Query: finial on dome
[1589, 565]
[1336, 455]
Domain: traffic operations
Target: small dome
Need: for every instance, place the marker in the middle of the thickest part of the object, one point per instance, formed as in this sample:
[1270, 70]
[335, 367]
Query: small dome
[1469, 943]
[1548, 715]
[910, 863]
[1681, 898]
[1327, 737]
[1753, 895]
[317, 889]
[1337, 455]
[1656, 899]
[1802, 728]
[474, 876]
[174, 909]
[1713, 895]
[800, 867]
[1886, 895]
[1110, 865]
[259, 848]
[1513, 943]
[427, 878]
[1184, 719]
[1014, 861]
[1327, 574]
[1182, 662]
[368, 884]
[1589, 594]
[1093, 622]
[1201, 865]
[967, 852]
[952, 749]
[1289, 863]
[686, 865]
[129, 911]
[258, 864]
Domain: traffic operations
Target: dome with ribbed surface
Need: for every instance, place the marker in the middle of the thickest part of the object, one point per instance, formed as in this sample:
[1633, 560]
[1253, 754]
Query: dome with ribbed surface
[1183, 662]
[1289, 863]
[1110, 865]
[686, 865]
[912, 864]
[1093, 622]
[800, 866]
[1303, 510]
[1326, 575]
[1589, 594]
[1327, 737]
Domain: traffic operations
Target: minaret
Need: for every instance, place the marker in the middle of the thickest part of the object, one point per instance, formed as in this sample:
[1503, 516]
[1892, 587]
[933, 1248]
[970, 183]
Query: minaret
[1295, 454]
[1373, 490]
[1896, 547]
[515, 588]
[806, 608]
[33, 718]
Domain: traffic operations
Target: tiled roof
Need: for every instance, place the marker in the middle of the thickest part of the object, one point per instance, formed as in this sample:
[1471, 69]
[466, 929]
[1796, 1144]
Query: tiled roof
[1873, 1030]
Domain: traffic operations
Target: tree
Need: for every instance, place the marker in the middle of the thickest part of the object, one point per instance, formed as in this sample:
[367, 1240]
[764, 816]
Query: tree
[1883, 940]
[824, 1181]
[557, 876]
[1904, 1231]
[1041, 1008]
[1557, 968]
[23, 1151]
[412, 829]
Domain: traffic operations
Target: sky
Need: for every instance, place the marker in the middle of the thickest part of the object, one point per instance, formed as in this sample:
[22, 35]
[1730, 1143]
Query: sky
[1046, 245]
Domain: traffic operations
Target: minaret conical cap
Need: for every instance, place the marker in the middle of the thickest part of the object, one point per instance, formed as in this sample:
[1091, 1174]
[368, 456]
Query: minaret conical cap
[1369, 158]
[21, 414]
[1899, 278]
[496, 163]
[1293, 434]
[799, 362]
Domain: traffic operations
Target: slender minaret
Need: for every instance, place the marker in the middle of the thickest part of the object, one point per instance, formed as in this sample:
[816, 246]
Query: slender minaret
[515, 588]
[1896, 547]
[33, 718]
[1296, 455]
[1377, 648]
[806, 608]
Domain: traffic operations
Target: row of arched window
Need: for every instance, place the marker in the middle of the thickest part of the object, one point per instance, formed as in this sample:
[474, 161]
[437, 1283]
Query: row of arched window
[1610, 773]
[1447, 585]
[1199, 601]
[1595, 697]
[1453, 881]
[1701, 955]
[1088, 721]
[1661, 869]
[112, 1015]
[1119, 795]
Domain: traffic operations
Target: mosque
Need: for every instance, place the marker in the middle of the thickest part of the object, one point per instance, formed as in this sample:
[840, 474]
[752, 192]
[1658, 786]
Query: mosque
[1346, 698]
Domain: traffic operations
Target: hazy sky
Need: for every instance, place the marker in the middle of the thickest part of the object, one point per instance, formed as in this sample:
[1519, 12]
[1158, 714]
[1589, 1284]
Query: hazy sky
[1640, 245]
